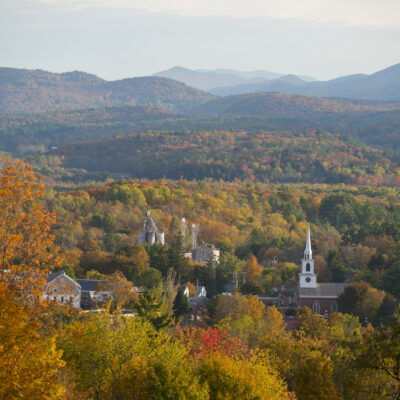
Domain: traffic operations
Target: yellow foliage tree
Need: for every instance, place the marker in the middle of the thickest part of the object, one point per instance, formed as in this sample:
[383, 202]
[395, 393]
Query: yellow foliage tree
[29, 361]
[26, 243]
[252, 270]
[228, 378]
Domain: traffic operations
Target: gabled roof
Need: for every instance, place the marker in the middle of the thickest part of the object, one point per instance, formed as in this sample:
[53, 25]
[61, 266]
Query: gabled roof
[328, 290]
[54, 275]
[199, 289]
[90, 285]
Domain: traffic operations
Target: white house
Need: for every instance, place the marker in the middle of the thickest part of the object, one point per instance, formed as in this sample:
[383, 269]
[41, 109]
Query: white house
[63, 289]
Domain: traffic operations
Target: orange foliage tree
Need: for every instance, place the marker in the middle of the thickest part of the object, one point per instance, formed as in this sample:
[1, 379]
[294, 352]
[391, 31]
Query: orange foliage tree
[252, 270]
[29, 361]
[27, 252]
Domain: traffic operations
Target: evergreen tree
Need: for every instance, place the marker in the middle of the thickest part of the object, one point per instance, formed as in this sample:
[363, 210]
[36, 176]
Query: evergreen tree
[181, 304]
[211, 277]
[178, 261]
[336, 266]
[151, 308]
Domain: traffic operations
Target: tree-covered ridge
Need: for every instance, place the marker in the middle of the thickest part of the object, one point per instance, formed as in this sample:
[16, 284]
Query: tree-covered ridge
[374, 124]
[39, 132]
[33, 91]
[264, 156]
[286, 105]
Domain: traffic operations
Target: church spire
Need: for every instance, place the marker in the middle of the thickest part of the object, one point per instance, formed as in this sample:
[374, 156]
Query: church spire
[307, 250]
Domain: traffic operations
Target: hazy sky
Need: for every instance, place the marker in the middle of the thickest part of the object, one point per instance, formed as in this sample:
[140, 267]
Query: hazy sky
[124, 38]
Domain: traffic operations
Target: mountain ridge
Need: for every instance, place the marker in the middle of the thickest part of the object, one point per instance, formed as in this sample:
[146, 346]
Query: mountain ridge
[33, 91]
[383, 85]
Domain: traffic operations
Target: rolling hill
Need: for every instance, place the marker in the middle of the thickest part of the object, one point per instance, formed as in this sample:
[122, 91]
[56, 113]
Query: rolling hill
[374, 124]
[34, 91]
[261, 156]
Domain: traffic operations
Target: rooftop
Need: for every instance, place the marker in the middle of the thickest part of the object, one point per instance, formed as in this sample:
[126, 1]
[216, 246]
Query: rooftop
[329, 290]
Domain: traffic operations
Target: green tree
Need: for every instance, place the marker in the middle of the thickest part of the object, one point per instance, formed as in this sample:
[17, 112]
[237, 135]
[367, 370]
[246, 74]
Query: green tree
[361, 299]
[181, 304]
[336, 266]
[151, 308]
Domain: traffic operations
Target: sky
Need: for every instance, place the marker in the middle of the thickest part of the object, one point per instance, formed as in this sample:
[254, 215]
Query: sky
[116, 39]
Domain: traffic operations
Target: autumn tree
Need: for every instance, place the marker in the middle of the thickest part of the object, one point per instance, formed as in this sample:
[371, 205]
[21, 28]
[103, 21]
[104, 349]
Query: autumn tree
[29, 361]
[27, 251]
[252, 270]
[122, 290]
[361, 299]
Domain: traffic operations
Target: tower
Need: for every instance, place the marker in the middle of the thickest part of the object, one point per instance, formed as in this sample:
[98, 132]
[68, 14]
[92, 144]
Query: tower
[193, 233]
[307, 277]
[183, 229]
[150, 233]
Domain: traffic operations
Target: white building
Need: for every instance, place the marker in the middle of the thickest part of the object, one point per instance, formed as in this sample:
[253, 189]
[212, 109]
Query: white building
[63, 289]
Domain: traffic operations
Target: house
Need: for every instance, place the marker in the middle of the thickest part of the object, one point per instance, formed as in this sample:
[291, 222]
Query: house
[201, 291]
[93, 293]
[320, 297]
[63, 289]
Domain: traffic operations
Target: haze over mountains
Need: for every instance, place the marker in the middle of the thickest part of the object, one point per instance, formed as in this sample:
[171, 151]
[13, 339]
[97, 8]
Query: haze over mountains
[77, 127]
[35, 91]
[383, 85]
[210, 79]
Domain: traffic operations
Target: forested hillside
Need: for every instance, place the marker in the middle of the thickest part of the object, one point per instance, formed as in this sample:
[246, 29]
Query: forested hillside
[264, 156]
[34, 91]
[39, 132]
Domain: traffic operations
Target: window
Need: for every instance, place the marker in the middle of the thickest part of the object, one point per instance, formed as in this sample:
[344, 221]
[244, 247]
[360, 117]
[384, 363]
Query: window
[308, 267]
[62, 299]
[334, 307]
[316, 308]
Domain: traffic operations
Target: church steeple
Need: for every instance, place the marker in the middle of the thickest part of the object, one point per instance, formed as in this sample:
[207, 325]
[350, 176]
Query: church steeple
[307, 277]
[307, 250]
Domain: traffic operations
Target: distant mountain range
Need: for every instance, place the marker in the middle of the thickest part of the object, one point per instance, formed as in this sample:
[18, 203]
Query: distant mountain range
[381, 86]
[37, 91]
[34, 91]
[218, 79]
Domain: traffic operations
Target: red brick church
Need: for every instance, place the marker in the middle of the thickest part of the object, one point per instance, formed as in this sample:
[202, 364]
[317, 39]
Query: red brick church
[320, 297]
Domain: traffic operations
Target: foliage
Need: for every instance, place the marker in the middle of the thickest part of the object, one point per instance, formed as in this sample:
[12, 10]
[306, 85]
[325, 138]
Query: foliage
[181, 304]
[151, 308]
[29, 360]
[26, 243]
